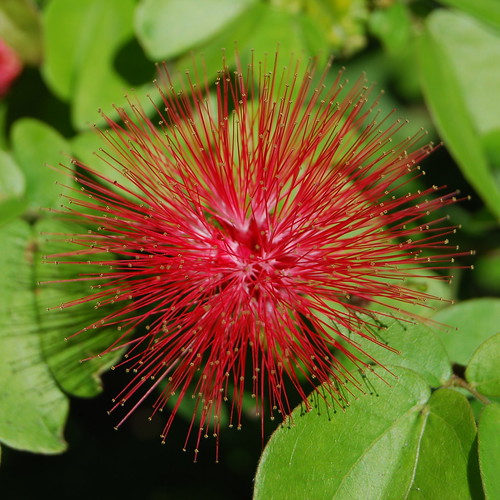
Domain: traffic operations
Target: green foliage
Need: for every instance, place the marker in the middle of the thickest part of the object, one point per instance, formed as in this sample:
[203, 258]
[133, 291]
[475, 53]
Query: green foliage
[383, 445]
[92, 68]
[483, 370]
[412, 432]
[64, 357]
[484, 10]
[32, 408]
[189, 31]
[413, 346]
[489, 444]
[466, 326]
[12, 188]
[455, 53]
[399, 439]
[36, 147]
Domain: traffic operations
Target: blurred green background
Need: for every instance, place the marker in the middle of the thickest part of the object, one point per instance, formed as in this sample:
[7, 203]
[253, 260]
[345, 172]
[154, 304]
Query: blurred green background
[62, 60]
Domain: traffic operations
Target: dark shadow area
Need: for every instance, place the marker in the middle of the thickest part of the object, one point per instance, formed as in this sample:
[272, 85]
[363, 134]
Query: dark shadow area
[131, 63]
[31, 98]
[131, 463]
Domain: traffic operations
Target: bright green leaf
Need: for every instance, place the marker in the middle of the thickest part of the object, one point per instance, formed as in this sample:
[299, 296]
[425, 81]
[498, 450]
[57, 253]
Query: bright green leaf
[260, 30]
[32, 408]
[438, 290]
[92, 68]
[168, 28]
[489, 446]
[458, 89]
[447, 465]
[35, 146]
[483, 370]
[485, 10]
[62, 20]
[12, 186]
[379, 447]
[64, 358]
[416, 347]
[466, 325]
[471, 48]
[12, 182]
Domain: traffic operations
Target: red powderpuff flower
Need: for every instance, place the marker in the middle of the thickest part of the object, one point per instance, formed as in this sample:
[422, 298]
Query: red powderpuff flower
[245, 235]
[10, 67]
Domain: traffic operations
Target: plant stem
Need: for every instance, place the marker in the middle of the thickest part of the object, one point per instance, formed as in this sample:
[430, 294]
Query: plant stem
[456, 381]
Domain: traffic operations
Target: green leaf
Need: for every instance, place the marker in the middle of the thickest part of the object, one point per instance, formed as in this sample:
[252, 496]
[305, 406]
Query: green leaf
[92, 68]
[455, 53]
[32, 408]
[12, 182]
[260, 30]
[429, 283]
[62, 20]
[35, 146]
[392, 26]
[168, 28]
[64, 358]
[470, 47]
[21, 28]
[12, 186]
[466, 326]
[483, 370]
[448, 465]
[381, 446]
[484, 10]
[417, 347]
[489, 444]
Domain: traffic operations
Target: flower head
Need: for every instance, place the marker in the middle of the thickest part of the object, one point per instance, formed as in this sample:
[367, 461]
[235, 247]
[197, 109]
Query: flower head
[244, 235]
[10, 67]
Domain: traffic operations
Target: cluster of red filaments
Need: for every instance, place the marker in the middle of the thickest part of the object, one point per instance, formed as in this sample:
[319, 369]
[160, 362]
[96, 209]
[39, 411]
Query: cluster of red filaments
[245, 231]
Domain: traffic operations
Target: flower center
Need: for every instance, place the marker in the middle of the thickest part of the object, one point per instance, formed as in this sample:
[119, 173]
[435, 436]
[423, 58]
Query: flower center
[255, 255]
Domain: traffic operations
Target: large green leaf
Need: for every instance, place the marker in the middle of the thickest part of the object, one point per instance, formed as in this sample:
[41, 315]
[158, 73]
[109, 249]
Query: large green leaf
[37, 148]
[470, 48]
[483, 370]
[260, 30]
[64, 358]
[467, 325]
[447, 464]
[32, 408]
[168, 28]
[428, 283]
[12, 186]
[455, 54]
[93, 67]
[382, 446]
[409, 345]
[485, 10]
[489, 446]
